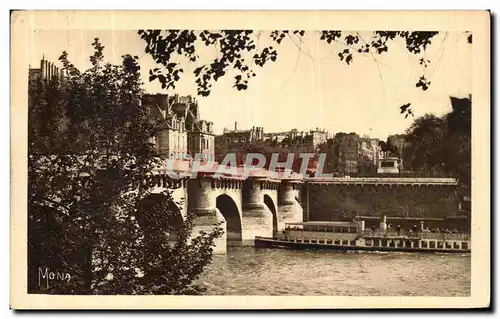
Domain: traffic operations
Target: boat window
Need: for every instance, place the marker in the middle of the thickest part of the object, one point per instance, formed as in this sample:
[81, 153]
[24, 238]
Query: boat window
[337, 242]
[368, 242]
[456, 245]
[448, 245]
[376, 242]
[415, 243]
[407, 243]
[432, 244]
[423, 243]
[440, 245]
[329, 241]
[353, 243]
[384, 242]
[322, 241]
[345, 242]
[392, 244]
[314, 241]
[465, 245]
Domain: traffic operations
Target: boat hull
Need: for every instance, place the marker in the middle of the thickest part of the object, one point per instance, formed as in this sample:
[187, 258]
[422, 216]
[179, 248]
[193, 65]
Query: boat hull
[263, 242]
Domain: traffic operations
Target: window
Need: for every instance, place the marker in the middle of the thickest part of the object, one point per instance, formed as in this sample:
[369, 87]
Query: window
[376, 242]
[337, 242]
[384, 242]
[345, 242]
[353, 243]
[440, 245]
[456, 245]
[408, 244]
[368, 242]
[447, 245]
[465, 245]
[423, 244]
[329, 241]
[432, 244]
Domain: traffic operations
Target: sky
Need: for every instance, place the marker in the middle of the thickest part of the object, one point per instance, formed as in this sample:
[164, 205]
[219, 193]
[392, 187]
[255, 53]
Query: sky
[307, 87]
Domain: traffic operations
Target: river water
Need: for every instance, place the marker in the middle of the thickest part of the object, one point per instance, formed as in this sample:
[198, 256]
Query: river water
[248, 271]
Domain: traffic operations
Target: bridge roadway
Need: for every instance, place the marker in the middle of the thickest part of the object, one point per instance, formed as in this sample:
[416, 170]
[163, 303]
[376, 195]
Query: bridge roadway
[420, 181]
[184, 169]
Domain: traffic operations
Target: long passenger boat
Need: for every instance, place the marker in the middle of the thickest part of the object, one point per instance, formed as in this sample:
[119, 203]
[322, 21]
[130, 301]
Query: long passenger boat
[338, 235]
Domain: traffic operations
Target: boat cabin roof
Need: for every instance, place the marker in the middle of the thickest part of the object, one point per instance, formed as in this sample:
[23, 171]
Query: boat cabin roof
[321, 223]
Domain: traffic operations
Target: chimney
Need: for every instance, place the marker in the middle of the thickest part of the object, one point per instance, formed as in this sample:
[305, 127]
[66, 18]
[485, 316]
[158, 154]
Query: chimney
[46, 69]
[235, 126]
[42, 67]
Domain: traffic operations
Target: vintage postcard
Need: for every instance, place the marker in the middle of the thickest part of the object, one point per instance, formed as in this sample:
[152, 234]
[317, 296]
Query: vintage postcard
[250, 160]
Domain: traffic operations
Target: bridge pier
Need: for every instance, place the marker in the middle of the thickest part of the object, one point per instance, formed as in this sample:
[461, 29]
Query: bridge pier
[289, 208]
[257, 219]
[203, 206]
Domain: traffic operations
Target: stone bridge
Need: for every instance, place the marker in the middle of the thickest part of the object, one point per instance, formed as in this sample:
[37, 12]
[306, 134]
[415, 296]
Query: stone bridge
[258, 204]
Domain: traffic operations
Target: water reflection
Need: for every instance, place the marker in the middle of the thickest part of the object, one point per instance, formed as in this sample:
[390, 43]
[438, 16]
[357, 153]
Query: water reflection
[248, 271]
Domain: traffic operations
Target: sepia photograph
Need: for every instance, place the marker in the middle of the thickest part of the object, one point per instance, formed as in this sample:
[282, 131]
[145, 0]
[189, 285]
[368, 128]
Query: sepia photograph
[303, 155]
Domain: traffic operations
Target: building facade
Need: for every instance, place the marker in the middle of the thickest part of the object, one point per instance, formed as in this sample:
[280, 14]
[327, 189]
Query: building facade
[183, 133]
[255, 134]
[345, 150]
[47, 71]
[299, 141]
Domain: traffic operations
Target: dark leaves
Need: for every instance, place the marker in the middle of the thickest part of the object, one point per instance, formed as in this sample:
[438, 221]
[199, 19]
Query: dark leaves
[330, 36]
[418, 41]
[423, 83]
[406, 108]
[238, 51]
[350, 39]
[346, 56]
[424, 62]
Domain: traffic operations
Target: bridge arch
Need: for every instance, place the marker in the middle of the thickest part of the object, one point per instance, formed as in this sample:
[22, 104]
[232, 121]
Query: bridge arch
[268, 201]
[229, 210]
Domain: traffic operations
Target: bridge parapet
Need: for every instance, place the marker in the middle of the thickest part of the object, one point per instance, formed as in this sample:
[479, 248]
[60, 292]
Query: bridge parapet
[382, 181]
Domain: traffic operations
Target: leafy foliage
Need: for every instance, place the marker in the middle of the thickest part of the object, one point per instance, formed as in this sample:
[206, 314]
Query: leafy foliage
[443, 144]
[238, 51]
[89, 154]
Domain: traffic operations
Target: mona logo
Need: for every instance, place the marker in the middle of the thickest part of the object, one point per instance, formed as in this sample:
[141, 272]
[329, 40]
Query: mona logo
[45, 276]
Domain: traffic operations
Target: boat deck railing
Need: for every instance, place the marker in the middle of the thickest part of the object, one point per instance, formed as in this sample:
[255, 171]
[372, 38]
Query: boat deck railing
[418, 234]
